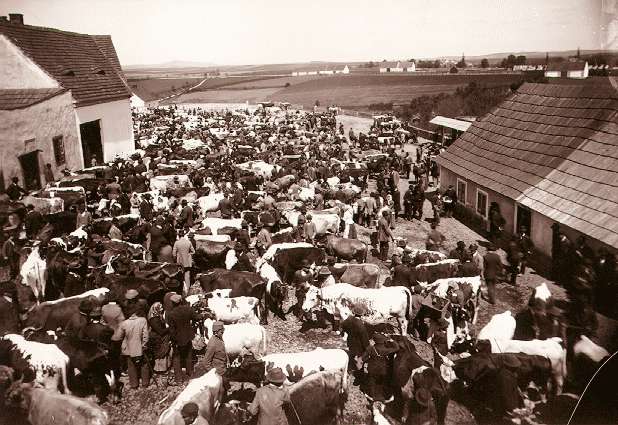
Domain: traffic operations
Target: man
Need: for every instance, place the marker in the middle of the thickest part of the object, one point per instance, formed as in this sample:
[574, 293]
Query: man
[15, 190]
[384, 235]
[370, 208]
[225, 206]
[157, 238]
[526, 246]
[408, 201]
[79, 319]
[145, 208]
[403, 275]
[492, 265]
[134, 335]
[114, 231]
[112, 316]
[243, 263]
[513, 256]
[356, 334]
[181, 330]
[309, 229]
[185, 218]
[49, 174]
[190, 413]
[33, 222]
[269, 401]
[452, 196]
[376, 356]
[299, 231]
[9, 319]
[418, 200]
[113, 189]
[435, 239]
[263, 240]
[460, 253]
[216, 356]
[477, 258]
[84, 218]
[394, 179]
[183, 254]
[325, 277]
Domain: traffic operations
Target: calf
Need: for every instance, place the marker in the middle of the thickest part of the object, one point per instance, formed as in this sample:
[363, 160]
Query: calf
[206, 391]
[45, 363]
[240, 337]
[45, 407]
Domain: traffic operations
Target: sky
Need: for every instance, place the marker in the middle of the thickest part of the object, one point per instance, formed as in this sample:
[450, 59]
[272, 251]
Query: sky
[234, 32]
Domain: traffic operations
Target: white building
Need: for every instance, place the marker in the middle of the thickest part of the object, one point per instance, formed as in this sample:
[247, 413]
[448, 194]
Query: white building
[390, 67]
[63, 101]
[571, 69]
[408, 66]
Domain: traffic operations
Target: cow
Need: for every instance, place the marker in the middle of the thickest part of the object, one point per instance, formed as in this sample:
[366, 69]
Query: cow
[587, 357]
[65, 272]
[211, 251]
[283, 236]
[410, 373]
[377, 303]
[551, 348]
[151, 289]
[240, 337]
[363, 275]
[228, 310]
[51, 315]
[45, 407]
[295, 365]
[206, 391]
[328, 222]
[430, 272]
[537, 320]
[423, 256]
[345, 248]
[318, 398]
[46, 364]
[500, 326]
[275, 292]
[287, 258]
[222, 226]
[33, 273]
[210, 203]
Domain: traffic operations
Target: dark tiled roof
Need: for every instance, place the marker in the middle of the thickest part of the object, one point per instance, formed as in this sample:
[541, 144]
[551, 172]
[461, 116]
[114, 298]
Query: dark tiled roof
[552, 148]
[85, 64]
[567, 66]
[22, 98]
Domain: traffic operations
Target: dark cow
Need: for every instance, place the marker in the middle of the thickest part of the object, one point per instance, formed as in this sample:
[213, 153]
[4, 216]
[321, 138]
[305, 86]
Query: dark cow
[65, 273]
[364, 275]
[210, 254]
[282, 236]
[410, 373]
[318, 399]
[346, 249]
[62, 222]
[241, 283]
[51, 315]
[430, 272]
[287, 261]
[151, 289]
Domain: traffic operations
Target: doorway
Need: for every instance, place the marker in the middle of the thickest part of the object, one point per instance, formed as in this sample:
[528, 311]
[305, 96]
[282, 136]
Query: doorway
[91, 142]
[30, 168]
[523, 219]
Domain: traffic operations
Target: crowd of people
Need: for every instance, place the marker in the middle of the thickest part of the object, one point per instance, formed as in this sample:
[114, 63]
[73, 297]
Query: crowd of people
[243, 166]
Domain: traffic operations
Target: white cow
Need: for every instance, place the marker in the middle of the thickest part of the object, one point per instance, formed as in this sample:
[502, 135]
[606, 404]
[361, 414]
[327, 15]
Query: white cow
[215, 224]
[550, 348]
[501, 326]
[241, 337]
[210, 202]
[234, 310]
[331, 359]
[48, 361]
[379, 303]
[588, 348]
[33, 273]
[206, 391]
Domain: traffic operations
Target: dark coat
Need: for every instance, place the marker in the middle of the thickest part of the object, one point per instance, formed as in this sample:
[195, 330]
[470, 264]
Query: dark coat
[9, 320]
[403, 275]
[181, 328]
[358, 338]
[493, 265]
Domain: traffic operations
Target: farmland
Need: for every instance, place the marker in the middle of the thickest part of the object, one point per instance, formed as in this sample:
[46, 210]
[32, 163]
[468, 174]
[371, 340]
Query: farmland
[156, 88]
[352, 91]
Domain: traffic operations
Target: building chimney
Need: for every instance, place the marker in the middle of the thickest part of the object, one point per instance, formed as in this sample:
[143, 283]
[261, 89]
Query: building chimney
[16, 18]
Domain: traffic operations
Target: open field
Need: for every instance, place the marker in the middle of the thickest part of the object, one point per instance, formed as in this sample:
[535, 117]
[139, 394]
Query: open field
[344, 90]
[156, 88]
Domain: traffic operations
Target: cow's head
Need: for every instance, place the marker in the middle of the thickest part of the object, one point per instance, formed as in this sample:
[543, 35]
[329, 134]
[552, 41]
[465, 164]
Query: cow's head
[313, 298]
[19, 395]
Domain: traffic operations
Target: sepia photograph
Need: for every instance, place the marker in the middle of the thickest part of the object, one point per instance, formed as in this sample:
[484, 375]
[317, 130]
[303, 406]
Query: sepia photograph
[285, 212]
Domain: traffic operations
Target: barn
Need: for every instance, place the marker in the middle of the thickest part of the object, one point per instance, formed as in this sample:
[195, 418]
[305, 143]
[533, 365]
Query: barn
[569, 69]
[63, 101]
[547, 155]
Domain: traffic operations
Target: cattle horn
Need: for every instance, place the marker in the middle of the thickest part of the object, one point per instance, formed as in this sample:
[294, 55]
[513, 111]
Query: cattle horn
[29, 330]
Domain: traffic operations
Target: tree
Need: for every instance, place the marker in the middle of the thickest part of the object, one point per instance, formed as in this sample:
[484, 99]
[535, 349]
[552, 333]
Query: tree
[520, 60]
[485, 63]
[317, 103]
[454, 70]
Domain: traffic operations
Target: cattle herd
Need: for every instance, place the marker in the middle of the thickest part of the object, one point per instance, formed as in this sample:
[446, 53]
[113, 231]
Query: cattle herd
[250, 217]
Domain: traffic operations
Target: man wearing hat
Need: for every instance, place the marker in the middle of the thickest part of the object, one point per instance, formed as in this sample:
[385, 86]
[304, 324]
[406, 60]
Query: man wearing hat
[450, 195]
[185, 219]
[190, 413]
[309, 229]
[133, 332]
[180, 320]
[243, 263]
[492, 265]
[183, 254]
[263, 240]
[216, 356]
[270, 399]
[300, 229]
[376, 356]
[460, 253]
[403, 275]
[242, 236]
[79, 319]
[325, 277]
[384, 235]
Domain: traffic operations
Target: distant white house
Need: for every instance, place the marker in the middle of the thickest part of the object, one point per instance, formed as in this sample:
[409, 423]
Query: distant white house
[570, 69]
[345, 70]
[399, 66]
[326, 71]
[315, 72]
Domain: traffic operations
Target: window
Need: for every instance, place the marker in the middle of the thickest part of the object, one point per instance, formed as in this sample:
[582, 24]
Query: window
[481, 203]
[58, 143]
[462, 191]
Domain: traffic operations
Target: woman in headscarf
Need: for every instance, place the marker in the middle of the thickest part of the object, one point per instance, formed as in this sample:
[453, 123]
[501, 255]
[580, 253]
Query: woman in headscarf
[159, 338]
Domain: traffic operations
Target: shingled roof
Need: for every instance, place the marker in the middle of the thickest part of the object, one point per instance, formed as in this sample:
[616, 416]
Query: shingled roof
[22, 98]
[85, 64]
[552, 148]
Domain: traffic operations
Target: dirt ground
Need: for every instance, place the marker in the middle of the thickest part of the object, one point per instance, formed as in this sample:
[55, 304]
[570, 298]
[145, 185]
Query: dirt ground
[143, 406]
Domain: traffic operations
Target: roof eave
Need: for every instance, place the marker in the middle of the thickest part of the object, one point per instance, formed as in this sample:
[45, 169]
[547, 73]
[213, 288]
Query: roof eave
[60, 91]
[79, 104]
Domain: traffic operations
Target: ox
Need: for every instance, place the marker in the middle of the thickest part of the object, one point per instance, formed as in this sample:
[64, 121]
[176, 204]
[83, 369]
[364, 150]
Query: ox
[45, 362]
[240, 337]
[328, 222]
[430, 272]
[364, 275]
[287, 258]
[222, 226]
[206, 391]
[294, 365]
[275, 292]
[228, 310]
[378, 304]
[346, 249]
[45, 407]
